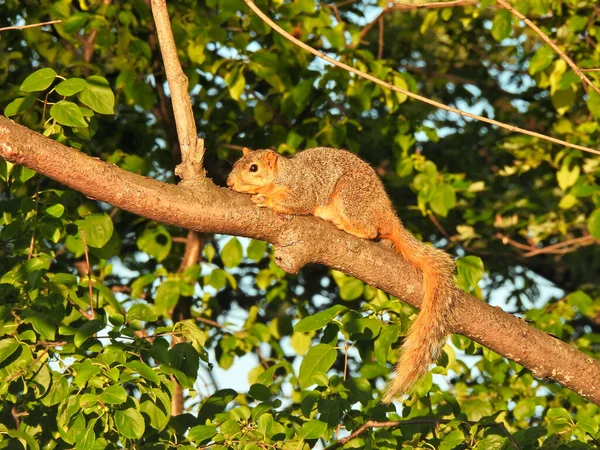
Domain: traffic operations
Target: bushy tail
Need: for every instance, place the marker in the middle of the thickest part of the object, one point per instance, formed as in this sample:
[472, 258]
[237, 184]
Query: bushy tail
[428, 332]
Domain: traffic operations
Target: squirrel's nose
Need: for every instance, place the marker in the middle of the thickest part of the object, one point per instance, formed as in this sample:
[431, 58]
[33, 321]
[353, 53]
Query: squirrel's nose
[230, 182]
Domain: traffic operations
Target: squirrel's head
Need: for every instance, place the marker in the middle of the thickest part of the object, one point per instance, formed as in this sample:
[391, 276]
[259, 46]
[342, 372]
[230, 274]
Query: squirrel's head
[253, 171]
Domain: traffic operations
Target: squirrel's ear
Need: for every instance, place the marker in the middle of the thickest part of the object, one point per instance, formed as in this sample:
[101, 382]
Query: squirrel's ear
[271, 158]
[246, 151]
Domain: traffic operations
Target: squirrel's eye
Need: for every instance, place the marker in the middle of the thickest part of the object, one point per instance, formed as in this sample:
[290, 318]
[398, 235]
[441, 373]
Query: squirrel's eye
[253, 168]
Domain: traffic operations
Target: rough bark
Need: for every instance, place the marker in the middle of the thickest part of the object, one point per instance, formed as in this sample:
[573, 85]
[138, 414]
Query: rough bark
[201, 206]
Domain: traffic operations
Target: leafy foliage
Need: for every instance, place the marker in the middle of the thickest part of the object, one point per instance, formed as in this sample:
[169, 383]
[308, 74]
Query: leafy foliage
[322, 343]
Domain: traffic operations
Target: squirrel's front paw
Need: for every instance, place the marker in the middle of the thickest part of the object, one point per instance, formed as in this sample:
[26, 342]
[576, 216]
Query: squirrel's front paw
[259, 200]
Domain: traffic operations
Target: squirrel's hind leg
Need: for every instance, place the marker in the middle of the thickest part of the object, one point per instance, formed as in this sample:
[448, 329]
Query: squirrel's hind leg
[351, 212]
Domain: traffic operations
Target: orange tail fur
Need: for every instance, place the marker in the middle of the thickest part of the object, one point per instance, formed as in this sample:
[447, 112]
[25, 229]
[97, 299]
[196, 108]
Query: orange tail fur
[427, 333]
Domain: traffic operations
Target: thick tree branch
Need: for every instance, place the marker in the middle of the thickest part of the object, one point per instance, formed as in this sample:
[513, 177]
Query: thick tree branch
[204, 207]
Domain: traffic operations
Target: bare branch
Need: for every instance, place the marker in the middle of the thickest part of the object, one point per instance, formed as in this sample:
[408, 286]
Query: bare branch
[89, 272]
[433, 5]
[298, 240]
[381, 37]
[33, 25]
[439, 105]
[548, 41]
[422, 421]
[561, 248]
[192, 147]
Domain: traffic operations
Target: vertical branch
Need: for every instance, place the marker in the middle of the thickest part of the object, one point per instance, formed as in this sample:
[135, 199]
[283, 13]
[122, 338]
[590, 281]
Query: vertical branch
[89, 272]
[380, 48]
[182, 310]
[192, 148]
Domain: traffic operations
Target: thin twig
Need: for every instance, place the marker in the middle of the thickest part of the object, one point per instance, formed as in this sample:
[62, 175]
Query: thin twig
[434, 5]
[573, 245]
[396, 423]
[345, 3]
[506, 240]
[345, 358]
[37, 204]
[557, 249]
[376, 80]
[82, 311]
[590, 70]
[209, 322]
[365, 29]
[233, 147]
[33, 25]
[380, 41]
[336, 12]
[89, 273]
[548, 41]
[439, 226]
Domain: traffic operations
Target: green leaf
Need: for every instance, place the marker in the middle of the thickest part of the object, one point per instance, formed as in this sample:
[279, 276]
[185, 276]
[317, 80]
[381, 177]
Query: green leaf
[453, 438]
[593, 224]
[144, 370]
[87, 437]
[167, 296]
[97, 95]
[383, 343]
[25, 438]
[143, 312]
[184, 358]
[201, 433]
[593, 103]
[501, 26]
[7, 348]
[74, 22]
[39, 80]
[265, 424]
[236, 83]
[318, 360]
[319, 320]
[19, 105]
[68, 114]
[567, 177]
[262, 114]
[232, 253]
[43, 325]
[563, 99]
[156, 241]
[130, 423]
[524, 408]
[444, 199]
[470, 272]
[56, 210]
[256, 249]
[98, 229]
[87, 330]
[158, 412]
[543, 58]
[351, 289]
[313, 429]
[113, 395]
[259, 392]
[71, 86]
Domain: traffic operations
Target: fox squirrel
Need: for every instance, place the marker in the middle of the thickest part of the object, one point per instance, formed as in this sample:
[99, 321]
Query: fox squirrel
[339, 187]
